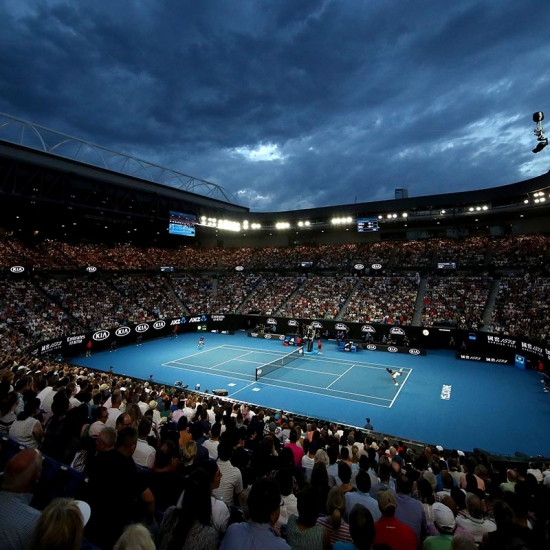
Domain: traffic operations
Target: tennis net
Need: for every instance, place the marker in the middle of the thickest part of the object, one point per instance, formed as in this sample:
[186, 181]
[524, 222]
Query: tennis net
[278, 363]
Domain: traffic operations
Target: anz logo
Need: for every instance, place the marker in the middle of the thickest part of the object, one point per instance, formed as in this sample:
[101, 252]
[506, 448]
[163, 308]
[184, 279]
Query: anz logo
[123, 331]
[414, 351]
[392, 349]
[101, 335]
[396, 330]
[367, 328]
[158, 325]
[144, 327]
[17, 269]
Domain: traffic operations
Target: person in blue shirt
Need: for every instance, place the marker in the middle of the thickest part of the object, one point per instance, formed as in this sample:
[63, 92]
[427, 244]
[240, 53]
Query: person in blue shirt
[264, 502]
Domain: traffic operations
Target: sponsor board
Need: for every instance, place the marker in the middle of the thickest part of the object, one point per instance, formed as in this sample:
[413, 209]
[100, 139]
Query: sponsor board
[368, 328]
[239, 268]
[91, 269]
[267, 336]
[414, 351]
[271, 321]
[157, 325]
[316, 324]
[141, 328]
[392, 349]
[281, 337]
[293, 323]
[122, 331]
[100, 335]
[340, 326]
[397, 330]
[52, 346]
[372, 347]
[17, 269]
[74, 340]
[217, 318]
[359, 267]
[376, 266]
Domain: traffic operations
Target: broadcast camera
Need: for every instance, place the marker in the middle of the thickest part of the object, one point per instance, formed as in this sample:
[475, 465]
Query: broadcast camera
[538, 117]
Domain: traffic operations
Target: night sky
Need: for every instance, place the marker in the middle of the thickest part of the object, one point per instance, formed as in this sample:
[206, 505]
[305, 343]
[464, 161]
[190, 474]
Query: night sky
[291, 104]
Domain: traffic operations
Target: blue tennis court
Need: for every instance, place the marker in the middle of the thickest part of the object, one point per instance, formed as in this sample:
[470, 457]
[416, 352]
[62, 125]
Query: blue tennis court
[439, 400]
[312, 374]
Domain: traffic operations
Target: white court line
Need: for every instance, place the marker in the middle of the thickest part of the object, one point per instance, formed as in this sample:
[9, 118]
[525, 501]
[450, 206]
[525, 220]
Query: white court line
[314, 358]
[236, 377]
[333, 396]
[400, 387]
[334, 381]
[247, 386]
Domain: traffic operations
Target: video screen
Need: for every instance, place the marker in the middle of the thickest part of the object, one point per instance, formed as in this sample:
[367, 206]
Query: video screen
[182, 224]
[366, 225]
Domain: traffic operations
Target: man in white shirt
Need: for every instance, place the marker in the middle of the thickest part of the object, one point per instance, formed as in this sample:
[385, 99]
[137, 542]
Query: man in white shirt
[114, 412]
[144, 455]
[212, 444]
[231, 484]
[473, 522]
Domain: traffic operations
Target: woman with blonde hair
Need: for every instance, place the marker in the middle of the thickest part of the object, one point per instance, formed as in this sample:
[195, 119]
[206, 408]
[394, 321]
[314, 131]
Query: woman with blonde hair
[61, 525]
[135, 414]
[135, 537]
[334, 527]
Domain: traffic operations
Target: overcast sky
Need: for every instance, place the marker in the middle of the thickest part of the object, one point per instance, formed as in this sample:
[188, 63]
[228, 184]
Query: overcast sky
[291, 104]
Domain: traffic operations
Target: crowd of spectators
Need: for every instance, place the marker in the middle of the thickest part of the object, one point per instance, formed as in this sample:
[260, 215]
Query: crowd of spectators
[521, 252]
[270, 294]
[522, 308]
[389, 300]
[319, 298]
[166, 468]
[457, 301]
[45, 305]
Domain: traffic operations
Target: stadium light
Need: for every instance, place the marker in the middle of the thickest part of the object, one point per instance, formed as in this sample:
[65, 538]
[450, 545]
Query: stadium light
[538, 117]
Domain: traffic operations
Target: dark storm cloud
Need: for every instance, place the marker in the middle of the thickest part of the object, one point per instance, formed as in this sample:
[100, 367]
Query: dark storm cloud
[343, 100]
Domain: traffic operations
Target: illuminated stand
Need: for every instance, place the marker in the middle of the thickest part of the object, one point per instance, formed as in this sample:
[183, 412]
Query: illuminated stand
[308, 337]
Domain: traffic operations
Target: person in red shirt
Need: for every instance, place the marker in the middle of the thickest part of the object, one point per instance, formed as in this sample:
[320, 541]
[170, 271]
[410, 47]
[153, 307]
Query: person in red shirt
[391, 531]
[297, 451]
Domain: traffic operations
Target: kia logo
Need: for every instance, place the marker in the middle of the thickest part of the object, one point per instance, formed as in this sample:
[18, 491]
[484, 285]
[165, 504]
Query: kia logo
[267, 336]
[367, 328]
[101, 335]
[281, 337]
[293, 323]
[271, 322]
[159, 324]
[376, 266]
[122, 331]
[371, 347]
[239, 268]
[359, 267]
[91, 269]
[17, 269]
[340, 326]
[392, 349]
[316, 324]
[414, 351]
[144, 327]
[397, 331]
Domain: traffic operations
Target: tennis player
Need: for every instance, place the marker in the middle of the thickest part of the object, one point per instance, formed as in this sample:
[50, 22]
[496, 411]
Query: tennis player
[201, 342]
[394, 374]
